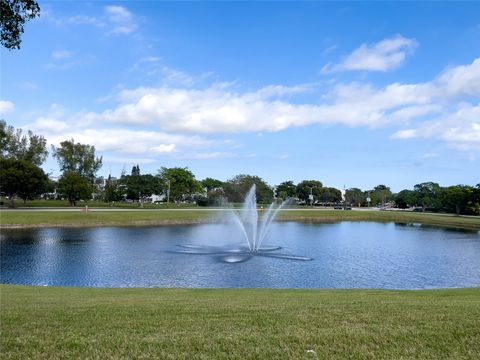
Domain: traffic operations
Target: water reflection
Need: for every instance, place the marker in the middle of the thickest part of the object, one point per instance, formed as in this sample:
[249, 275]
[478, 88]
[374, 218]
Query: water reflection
[346, 255]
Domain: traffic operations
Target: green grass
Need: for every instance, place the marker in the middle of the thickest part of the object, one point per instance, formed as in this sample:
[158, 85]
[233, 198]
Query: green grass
[104, 218]
[92, 203]
[25, 218]
[442, 220]
[59, 323]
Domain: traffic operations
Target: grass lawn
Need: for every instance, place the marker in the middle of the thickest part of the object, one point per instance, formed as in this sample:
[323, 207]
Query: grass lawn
[43, 203]
[57, 323]
[25, 218]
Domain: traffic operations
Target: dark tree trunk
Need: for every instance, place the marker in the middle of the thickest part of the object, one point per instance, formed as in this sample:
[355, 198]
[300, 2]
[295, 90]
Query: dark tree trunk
[72, 202]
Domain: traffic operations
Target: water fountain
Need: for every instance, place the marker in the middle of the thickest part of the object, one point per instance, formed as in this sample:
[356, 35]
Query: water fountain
[252, 230]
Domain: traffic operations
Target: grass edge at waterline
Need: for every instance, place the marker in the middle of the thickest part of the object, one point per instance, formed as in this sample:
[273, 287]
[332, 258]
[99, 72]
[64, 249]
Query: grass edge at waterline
[101, 217]
[56, 322]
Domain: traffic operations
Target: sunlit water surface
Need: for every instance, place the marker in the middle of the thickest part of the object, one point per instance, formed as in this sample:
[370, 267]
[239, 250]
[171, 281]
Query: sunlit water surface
[345, 255]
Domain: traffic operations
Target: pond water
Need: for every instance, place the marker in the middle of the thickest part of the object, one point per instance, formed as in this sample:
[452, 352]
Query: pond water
[345, 255]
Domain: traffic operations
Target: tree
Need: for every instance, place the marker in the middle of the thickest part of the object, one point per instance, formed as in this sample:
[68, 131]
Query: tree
[13, 15]
[355, 196]
[285, 190]
[136, 170]
[455, 198]
[474, 204]
[405, 199]
[79, 158]
[21, 178]
[236, 189]
[428, 195]
[380, 195]
[182, 182]
[211, 184]
[79, 166]
[139, 186]
[329, 195]
[307, 188]
[75, 187]
[112, 190]
[16, 145]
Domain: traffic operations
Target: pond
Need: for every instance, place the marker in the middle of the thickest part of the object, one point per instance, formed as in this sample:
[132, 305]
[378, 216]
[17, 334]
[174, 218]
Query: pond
[344, 255]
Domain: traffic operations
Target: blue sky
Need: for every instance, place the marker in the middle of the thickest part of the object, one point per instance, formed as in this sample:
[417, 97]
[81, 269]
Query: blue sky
[353, 94]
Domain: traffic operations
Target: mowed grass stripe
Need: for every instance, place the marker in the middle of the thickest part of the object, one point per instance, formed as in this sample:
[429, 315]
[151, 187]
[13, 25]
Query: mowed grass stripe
[55, 323]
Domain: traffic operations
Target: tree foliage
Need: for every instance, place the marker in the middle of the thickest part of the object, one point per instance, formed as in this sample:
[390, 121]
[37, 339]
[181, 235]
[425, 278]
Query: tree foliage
[329, 195]
[135, 170]
[139, 186]
[14, 144]
[236, 188]
[79, 158]
[211, 184]
[13, 15]
[21, 178]
[355, 196]
[307, 187]
[112, 190]
[427, 195]
[75, 187]
[456, 198]
[182, 182]
[380, 195]
[405, 199]
[286, 190]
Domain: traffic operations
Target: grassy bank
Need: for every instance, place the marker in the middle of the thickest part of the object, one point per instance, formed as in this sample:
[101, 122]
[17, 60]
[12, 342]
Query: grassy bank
[442, 220]
[54, 323]
[35, 218]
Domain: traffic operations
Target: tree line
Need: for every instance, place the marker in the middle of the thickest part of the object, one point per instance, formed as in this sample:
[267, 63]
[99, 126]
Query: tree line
[21, 176]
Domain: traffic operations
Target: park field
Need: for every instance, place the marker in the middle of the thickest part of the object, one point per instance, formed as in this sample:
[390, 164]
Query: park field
[125, 217]
[89, 323]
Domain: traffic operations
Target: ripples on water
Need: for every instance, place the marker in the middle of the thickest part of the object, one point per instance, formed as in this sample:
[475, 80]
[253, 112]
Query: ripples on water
[346, 255]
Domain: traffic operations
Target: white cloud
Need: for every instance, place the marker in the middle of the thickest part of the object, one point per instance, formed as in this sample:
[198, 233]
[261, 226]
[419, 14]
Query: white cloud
[459, 129]
[64, 60]
[84, 20]
[405, 134]
[219, 108]
[61, 54]
[117, 19]
[153, 67]
[6, 106]
[329, 49]
[51, 125]
[168, 120]
[385, 55]
[117, 140]
[176, 77]
[461, 80]
[164, 148]
[121, 20]
[128, 160]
